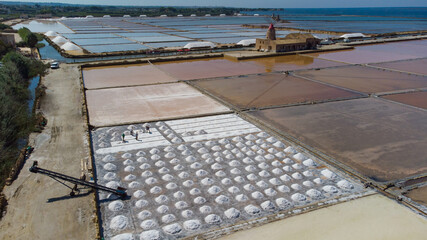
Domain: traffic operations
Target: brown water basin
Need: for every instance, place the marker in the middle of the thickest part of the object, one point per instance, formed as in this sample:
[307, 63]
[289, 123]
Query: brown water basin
[376, 53]
[413, 66]
[124, 75]
[208, 68]
[417, 99]
[115, 106]
[419, 195]
[382, 140]
[292, 62]
[270, 89]
[366, 79]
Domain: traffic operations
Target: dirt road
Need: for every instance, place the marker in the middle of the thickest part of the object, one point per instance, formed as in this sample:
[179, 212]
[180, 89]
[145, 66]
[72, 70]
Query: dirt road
[39, 207]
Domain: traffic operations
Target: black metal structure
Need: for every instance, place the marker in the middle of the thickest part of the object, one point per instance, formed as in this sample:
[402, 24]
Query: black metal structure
[56, 176]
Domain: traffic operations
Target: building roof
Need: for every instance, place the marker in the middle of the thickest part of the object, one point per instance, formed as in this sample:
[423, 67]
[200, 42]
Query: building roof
[298, 36]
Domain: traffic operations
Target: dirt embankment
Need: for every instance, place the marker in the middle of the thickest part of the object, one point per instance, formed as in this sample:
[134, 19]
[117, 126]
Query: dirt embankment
[39, 207]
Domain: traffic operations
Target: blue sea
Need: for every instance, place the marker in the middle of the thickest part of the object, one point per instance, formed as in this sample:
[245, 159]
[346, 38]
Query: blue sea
[365, 20]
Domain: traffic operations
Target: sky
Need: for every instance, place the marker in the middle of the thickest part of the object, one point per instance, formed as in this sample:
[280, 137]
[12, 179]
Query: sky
[252, 3]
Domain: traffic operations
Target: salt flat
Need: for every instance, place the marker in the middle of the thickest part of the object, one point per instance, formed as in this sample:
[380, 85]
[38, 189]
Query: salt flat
[204, 174]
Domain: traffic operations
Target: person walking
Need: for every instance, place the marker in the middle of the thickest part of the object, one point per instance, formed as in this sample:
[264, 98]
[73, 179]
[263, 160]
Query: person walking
[136, 135]
[123, 137]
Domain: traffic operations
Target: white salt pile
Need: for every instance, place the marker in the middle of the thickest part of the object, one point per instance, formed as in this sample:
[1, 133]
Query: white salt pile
[287, 168]
[134, 184]
[108, 158]
[199, 200]
[192, 224]
[277, 171]
[213, 219]
[255, 148]
[188, 183]
[318, 181]
[252, 177]
[119, 222]
[146, 173]
[178, 195]
[296, 186]
[269, 156]
[141, 203]
[154, 151]
[140, 153]
[145, 166]
[207, 181]
[196, 165]
[130, 177]
[167, 177]
[196, 145]
[129, 169]
[195, 191]
[330, 189]
[314, 194]
[249, 143]
[170, 155]
[141, 159]
[297, 175]
[308, 173]
[283, 188]
[151, 181]
[126, 155]
[232, 213]
[183, 175]
[257, 195]
[308, 184]
[161, 199]
[270, 192]
[150, 235]
[328, 174]
[110, 176]
[280, 155]
[283, 203]
[187, 213]
[148, 224]
[297, 166]
[205, 209]
[279, 144]
[262, 184]
[264, 173]
[235, 171]
[226, 181]
[156, 190]
[178, 167]
[252, 210]
[144, 215]
[168, 149]
[239, 179]
[163, 170]
[275, 181]
[263, 165]
[248, 160]
[299, 156]
[285, 178]
[344, 184]
[240, 145]
[155, 157]
[238, 139]
[216, 166]
[168, 218]
[201, 173]
[181, 205]
[298, 197]
[103, 145]
[183, 148]
[163, 209]
[288, 161]
[221, 199]
[216, 148]
[116, 206]
[268, 206]
[139, 194]
[290, 150]
[214, 190]
[110, 167]
[241, 198]
[171, 186]
[127, 162]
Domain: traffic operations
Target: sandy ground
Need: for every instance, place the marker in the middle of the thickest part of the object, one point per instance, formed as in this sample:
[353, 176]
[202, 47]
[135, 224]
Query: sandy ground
[373, 217]
[39, 207]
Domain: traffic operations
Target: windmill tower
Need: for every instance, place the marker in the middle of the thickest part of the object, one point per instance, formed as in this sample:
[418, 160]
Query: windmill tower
[271, 32]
